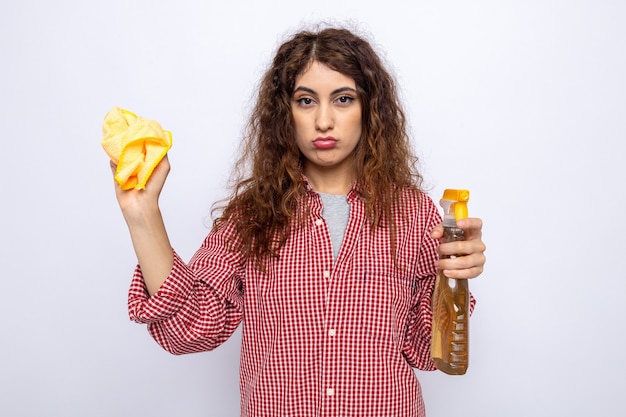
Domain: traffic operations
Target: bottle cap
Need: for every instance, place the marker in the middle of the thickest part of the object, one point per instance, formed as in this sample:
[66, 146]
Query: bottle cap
[454, 204]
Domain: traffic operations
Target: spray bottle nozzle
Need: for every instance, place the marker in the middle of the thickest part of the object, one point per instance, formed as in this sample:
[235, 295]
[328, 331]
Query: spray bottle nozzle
[454, 203]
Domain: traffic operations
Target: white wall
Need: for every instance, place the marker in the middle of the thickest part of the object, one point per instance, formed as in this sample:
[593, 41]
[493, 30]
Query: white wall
[520, 101]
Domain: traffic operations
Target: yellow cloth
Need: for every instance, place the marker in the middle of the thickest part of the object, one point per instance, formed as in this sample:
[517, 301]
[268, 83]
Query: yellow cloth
[135, 144]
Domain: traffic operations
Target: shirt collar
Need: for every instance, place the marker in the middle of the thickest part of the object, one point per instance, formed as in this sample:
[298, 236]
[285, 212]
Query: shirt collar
[354, 191]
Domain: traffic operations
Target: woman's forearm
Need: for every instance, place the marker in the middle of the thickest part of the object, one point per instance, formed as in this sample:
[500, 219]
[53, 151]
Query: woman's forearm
[152, 247]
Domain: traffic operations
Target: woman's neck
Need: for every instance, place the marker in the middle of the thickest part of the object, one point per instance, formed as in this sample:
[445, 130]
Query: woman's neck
[330, 181]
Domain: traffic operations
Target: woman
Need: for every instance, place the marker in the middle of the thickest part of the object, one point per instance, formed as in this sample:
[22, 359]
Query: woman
[327, 249]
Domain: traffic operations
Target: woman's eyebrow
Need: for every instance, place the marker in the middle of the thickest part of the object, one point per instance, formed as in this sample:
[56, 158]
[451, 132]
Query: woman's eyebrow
[335, 91]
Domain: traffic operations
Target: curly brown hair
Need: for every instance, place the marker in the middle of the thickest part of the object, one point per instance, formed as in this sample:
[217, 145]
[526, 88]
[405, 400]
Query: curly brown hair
[268, 176]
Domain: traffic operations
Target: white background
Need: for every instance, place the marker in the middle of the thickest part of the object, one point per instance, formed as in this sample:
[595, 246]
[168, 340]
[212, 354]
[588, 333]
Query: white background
[522, 102]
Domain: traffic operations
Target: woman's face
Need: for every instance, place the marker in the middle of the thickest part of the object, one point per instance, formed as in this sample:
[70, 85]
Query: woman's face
[327, 114]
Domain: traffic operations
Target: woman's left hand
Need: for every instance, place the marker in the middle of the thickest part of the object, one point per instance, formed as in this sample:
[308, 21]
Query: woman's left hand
[469, 254]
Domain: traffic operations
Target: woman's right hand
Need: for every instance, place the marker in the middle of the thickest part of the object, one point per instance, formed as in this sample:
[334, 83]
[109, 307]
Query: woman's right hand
[134, 202]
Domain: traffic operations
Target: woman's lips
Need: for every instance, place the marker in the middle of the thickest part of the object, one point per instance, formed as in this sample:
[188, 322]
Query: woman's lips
[328, 142]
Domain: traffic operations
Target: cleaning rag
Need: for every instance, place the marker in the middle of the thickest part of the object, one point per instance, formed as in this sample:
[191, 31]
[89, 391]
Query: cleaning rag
[135, 144]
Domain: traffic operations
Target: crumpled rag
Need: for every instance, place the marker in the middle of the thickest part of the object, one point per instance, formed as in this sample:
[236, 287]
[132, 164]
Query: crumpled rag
[135, 144]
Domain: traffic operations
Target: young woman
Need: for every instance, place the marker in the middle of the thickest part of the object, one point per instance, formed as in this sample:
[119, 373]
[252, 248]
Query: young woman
[327, 249]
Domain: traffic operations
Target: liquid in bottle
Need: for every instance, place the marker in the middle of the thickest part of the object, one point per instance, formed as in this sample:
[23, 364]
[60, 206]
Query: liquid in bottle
[451, 298]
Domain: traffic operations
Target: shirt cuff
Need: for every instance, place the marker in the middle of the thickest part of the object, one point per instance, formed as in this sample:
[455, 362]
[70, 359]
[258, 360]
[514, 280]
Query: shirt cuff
[171, 296]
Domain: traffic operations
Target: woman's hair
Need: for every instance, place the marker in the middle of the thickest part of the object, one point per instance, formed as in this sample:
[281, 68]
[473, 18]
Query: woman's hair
[269, 174]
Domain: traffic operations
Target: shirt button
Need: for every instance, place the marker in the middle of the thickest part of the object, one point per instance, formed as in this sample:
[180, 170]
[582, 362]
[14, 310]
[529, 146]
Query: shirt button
[330, 392]
[318, 222]
[326, 274]
[332, 332]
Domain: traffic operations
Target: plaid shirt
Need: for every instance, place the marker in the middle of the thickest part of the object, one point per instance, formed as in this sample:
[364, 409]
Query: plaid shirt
[321, 337]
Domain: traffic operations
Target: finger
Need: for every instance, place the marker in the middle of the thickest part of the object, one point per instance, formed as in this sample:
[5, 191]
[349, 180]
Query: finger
[472, 226]
[470, 223]
[437, 232]
[468, 273]
[462, 267]
[163, 167]
[159, 175]
[462, 247]
[462, 262]
[113, 167]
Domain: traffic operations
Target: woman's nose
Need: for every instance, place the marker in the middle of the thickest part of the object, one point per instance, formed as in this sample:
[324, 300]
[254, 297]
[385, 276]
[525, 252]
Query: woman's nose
[324, 118]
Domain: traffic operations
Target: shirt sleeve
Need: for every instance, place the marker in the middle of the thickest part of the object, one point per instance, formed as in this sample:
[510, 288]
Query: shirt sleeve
[418, 336]
[199, 305]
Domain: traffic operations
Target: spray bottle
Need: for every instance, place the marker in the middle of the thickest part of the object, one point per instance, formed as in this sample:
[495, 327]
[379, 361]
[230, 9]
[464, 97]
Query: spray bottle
[451, 297]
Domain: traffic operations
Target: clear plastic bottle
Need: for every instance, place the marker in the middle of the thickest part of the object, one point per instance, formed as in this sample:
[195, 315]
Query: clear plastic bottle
[451, 297]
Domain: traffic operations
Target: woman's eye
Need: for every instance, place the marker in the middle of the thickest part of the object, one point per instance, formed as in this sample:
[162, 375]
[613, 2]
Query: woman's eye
[305, 101]
[345, 99]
